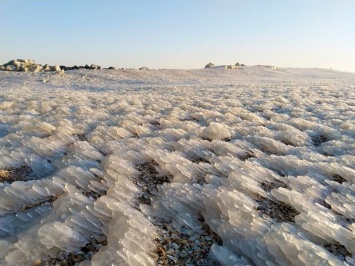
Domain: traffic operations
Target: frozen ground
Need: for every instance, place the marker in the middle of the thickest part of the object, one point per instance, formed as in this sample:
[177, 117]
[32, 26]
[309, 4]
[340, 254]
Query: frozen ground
[171, 167]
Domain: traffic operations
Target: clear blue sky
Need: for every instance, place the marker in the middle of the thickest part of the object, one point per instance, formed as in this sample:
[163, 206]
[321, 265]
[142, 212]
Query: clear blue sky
[180, 33]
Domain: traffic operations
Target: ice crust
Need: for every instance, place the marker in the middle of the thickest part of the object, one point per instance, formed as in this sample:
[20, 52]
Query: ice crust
[229, 142]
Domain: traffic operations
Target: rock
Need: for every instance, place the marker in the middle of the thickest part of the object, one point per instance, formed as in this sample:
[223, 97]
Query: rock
[267, 66]
[55, 68]
[93, 66]
[209, 65]
[11, 62]
[10, 68]
[46, 67]
[37, 262]
[111, 67]
[22, 68]
[174, 245]
[38, 68]
[16, 63]
[23, 65]
[32, 66]
[230, 67]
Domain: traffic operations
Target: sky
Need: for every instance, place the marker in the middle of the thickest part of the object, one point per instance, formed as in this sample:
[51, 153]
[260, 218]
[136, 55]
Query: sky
[180, 33]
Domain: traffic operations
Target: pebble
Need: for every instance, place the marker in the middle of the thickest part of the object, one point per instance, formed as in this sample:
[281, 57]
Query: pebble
[98, 246]
[193, 237]
[76, 257]
[37, 262]
[174, 245]
[101, 238]
[171, 251]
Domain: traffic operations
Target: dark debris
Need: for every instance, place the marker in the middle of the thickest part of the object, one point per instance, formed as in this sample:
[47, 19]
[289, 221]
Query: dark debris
[337, 249]
[16, 174]
[71, 258]
[322, 203]
[279, 211]
[82, 137]
[268, 186]
[247, 155]
[184, 246]
[148, 181]
[319, 139]
[198, 160]
[339, 179]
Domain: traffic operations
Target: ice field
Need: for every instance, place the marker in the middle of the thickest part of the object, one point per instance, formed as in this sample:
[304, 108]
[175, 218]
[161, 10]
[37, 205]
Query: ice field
[248, 166]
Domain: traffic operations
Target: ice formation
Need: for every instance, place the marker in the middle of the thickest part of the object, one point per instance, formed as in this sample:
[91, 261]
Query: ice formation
[253, 166]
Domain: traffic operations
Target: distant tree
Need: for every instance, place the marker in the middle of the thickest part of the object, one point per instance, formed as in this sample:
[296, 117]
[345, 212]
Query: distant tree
[209, 65]
[237, 64]
[242, 65]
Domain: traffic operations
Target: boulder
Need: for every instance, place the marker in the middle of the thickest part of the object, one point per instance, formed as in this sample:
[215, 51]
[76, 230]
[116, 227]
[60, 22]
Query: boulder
[37, 68]
[11, 62]
[93, 66]
[17, 64]
[22, 65]
[11, 68]
[46, 67]
[22, 68]
[32, 66]
[52, 68]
